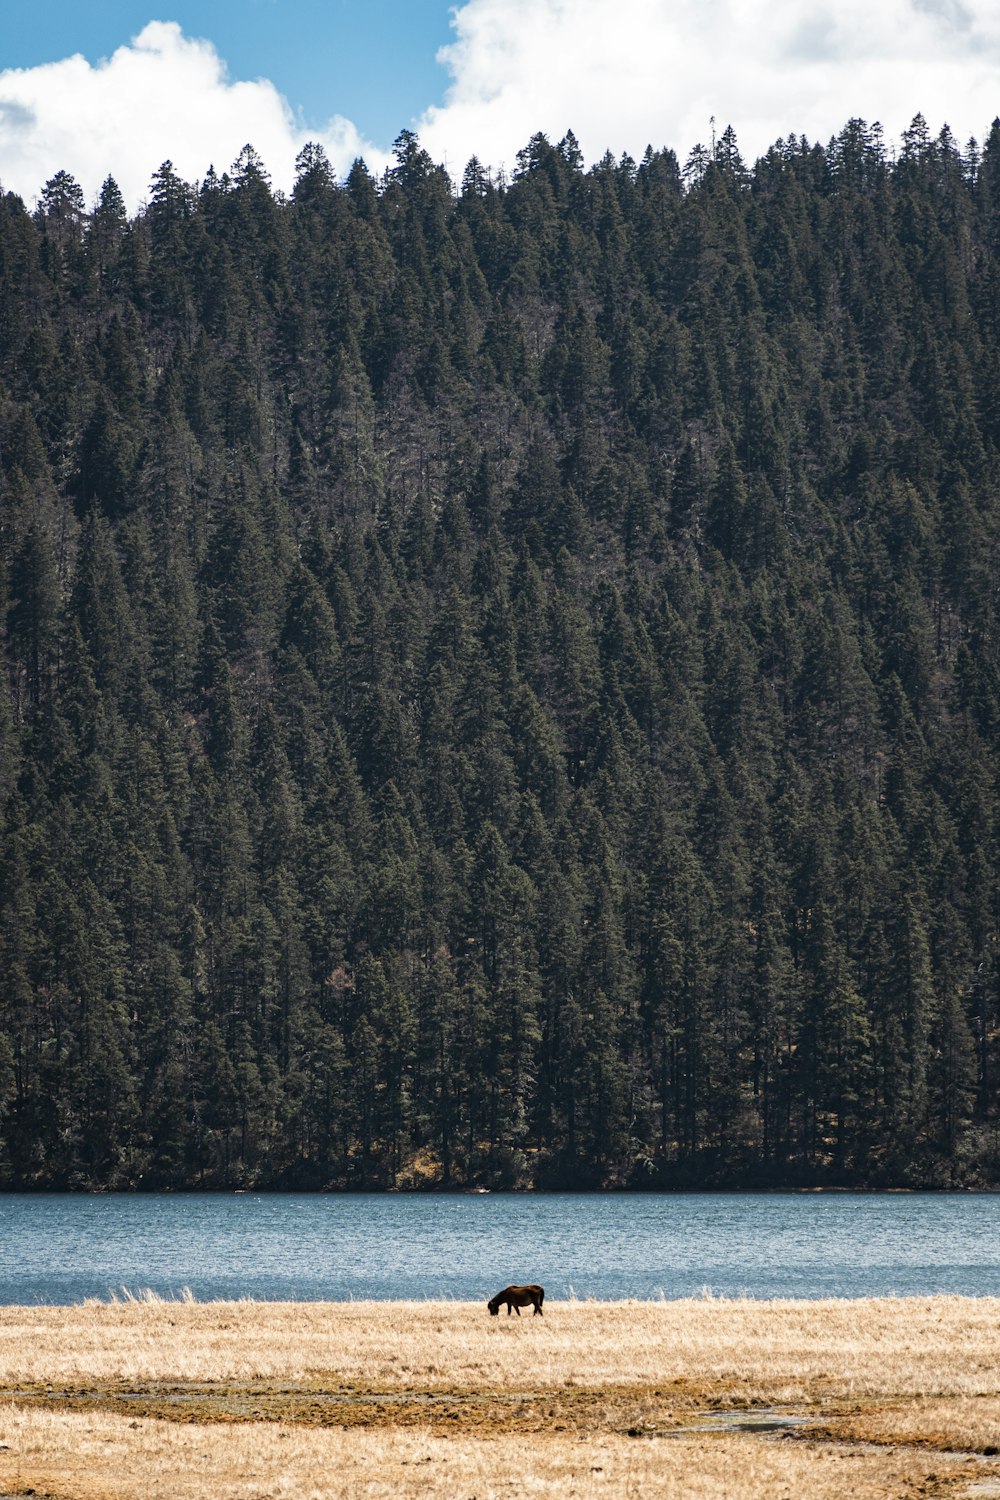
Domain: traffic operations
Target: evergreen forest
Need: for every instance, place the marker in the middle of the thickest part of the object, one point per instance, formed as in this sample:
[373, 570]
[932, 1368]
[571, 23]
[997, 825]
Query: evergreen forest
[502, 677]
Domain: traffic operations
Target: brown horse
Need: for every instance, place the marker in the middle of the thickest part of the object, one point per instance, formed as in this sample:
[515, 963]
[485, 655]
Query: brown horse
[517, 1297]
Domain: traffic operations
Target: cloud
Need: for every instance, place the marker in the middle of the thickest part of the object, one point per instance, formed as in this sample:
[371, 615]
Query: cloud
[641, 72]
[164, 95]
[622, 75]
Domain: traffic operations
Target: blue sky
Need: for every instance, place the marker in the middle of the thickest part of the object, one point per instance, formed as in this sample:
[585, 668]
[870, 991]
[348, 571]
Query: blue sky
[117, 86]
[371, 60]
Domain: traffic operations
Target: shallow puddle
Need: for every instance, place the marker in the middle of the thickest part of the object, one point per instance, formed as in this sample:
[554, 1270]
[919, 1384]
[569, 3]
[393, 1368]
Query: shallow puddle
[763, 1420]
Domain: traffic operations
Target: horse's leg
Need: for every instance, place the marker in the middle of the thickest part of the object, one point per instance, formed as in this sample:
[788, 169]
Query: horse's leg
[517, 1309]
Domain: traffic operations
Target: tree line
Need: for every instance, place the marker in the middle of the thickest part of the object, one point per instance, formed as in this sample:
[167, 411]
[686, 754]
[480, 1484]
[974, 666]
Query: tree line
[502, 680]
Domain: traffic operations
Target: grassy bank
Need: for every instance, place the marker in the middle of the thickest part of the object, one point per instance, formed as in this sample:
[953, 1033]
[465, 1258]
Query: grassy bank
[887, 1398]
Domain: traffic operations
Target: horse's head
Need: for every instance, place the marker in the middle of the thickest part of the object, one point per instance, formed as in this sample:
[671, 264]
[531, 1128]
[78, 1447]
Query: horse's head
[494, 1306]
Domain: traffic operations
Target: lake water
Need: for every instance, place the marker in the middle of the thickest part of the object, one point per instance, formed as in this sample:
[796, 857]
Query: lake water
[61, 1248]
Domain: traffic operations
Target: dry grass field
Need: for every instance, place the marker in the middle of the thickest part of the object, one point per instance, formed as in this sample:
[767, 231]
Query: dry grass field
[701, 1399]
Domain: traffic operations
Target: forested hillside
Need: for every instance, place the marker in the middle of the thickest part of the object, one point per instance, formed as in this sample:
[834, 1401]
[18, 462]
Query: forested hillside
[503, 684]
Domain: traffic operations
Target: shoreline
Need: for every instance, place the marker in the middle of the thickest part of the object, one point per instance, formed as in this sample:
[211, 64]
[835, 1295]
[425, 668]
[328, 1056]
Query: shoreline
[126, 1297]
[525, 1191]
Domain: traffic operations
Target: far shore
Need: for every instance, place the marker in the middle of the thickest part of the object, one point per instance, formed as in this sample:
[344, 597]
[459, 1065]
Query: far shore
[550, 1190]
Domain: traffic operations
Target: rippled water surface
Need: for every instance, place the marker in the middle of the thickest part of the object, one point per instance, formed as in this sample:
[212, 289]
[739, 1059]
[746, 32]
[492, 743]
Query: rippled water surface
[62, 1248]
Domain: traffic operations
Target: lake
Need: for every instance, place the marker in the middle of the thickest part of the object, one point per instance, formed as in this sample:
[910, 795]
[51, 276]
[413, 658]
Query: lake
[61, 1248]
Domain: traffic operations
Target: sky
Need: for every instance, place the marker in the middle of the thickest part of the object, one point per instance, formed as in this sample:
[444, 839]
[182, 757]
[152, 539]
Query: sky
[119, 86]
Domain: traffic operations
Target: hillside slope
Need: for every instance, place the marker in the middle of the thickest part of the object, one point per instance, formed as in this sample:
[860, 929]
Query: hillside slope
[504, 686]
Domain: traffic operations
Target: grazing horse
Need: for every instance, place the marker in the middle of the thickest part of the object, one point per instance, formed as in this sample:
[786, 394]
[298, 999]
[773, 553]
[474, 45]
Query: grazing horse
[517, 1297]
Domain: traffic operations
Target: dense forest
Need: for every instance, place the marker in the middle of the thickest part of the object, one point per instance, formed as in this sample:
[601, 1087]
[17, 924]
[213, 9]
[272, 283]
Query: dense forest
[502, 680]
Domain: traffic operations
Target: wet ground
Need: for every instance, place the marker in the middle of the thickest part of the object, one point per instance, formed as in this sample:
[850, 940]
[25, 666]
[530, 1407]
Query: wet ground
[678, 1411]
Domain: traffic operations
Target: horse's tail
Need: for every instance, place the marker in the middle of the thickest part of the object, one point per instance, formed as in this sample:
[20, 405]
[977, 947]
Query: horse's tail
[541, 1295]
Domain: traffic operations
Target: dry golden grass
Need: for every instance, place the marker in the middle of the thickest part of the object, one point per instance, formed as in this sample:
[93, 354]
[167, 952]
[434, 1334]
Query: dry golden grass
[783, 1351]
[261, 1401]
[956, 1423]
[96, 1457]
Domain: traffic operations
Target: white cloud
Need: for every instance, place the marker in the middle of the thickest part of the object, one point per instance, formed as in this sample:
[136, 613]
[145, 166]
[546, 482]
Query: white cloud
[626, 74]
[164, 95]
[620, 73]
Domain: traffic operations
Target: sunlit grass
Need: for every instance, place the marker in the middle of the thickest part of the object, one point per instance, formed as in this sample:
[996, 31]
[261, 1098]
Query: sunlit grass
[95, 1457]
[917, 1346]
[140, 1396]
